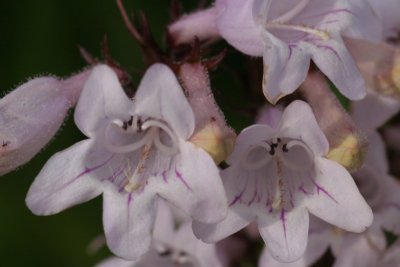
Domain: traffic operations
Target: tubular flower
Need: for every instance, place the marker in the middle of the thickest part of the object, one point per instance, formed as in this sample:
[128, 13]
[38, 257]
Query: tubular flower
[136, 152]
[277, 176]
[379, 189]
[287, 34]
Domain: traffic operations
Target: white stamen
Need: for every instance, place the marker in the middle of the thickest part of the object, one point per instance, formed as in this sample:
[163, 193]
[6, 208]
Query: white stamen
[319, 33]
[168, 150]
[292, 12]
[147, 138]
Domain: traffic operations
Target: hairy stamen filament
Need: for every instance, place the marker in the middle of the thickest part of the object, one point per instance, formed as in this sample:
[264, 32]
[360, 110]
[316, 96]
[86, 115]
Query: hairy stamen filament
[292, 13]
[319, 33]
[137, 179]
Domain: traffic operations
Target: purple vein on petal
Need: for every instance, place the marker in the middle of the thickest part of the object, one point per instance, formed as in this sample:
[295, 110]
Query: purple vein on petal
[114, 175]
[238, 197]
[164, 176]
[180, 177]
[283, 220]
[255, 194]
[129, 199]
[323, 190]
[327, 47]
[87, 170]
[304, 191]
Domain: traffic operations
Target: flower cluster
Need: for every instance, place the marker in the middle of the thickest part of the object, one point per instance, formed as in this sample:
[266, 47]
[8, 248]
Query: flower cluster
[178, 185]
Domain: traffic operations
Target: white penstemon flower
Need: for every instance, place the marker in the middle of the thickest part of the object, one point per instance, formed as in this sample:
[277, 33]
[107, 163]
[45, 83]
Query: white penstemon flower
[136, 152]
[278, 175]
[287, 34]
[379, 189]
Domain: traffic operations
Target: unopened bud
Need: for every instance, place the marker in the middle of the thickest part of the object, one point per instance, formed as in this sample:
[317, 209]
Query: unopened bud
[211, 132]
[347, 144]
[32, 114]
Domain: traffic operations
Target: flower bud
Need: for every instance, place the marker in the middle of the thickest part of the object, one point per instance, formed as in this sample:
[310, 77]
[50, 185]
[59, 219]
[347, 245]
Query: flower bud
[211, 131]
[32, 114]
[347, 144]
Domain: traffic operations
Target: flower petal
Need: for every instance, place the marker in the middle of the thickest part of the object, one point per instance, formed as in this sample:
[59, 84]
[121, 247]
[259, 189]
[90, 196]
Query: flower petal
[318, 240]
[376, 157]
[116, 262]
[239, 216]
[336, 199]
[286, 235]
[270, 115]
[160, 96]
[285, 67]
[387, 12]
[389, 214]
[238, 26]
[102, 98]
[266, 260]
[298, 122]
[193, 184]
[333, 59]
[67, 179]
[373, 111]
[250, 136]
[233, 222]
[391, 256]
[358, 251]
[128, 220]
[205, 254]
[164, 224]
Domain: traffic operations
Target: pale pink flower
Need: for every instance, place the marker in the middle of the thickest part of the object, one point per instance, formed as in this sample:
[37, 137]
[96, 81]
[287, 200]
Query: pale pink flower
[136, 152]
[380, 190]
[288, 34]
[277, 176]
